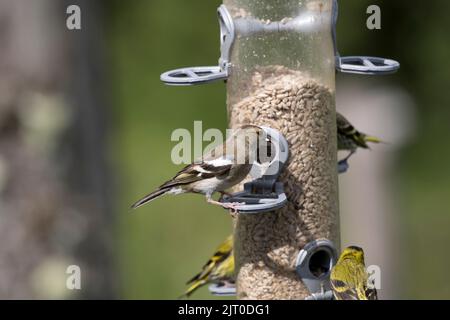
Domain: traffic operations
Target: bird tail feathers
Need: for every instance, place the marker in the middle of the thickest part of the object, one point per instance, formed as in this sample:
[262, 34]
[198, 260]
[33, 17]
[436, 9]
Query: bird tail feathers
[372, 139]
[196, 285]
[150, 197]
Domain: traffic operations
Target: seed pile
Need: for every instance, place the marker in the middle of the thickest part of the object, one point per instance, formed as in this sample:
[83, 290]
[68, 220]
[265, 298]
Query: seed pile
[302, 109]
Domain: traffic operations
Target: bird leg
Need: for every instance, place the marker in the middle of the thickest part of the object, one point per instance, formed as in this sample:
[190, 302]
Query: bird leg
[218, 203]
[228, 205]
[349, 156]
[231, 205]
[343, 164]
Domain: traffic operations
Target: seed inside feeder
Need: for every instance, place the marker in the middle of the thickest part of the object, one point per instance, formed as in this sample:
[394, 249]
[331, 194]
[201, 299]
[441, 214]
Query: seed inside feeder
[302, 109]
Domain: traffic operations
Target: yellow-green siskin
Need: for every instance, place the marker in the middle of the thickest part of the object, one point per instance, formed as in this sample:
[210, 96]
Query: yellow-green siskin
[349, 278]
[350, 139]
[219, 268]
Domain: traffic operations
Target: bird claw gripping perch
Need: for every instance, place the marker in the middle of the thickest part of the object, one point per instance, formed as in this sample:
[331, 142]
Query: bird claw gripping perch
[265, 193]
[313, 266]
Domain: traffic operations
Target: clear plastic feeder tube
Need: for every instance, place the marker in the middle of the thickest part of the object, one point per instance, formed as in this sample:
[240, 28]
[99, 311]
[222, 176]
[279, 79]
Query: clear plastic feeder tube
[282, 76]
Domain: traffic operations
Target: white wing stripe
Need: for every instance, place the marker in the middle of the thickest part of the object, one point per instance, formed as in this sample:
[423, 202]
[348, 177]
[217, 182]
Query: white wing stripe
[220, 162]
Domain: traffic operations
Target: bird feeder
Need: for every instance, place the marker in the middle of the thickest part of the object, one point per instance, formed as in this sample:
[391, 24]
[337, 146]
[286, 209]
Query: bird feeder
[282, 75]
[279, 59]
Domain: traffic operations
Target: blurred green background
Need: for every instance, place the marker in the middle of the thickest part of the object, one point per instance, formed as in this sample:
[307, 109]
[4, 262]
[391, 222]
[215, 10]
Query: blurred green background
[162, 245]
[165, 244]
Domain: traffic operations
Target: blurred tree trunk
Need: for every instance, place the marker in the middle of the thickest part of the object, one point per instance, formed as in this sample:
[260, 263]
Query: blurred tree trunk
[54, 191]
